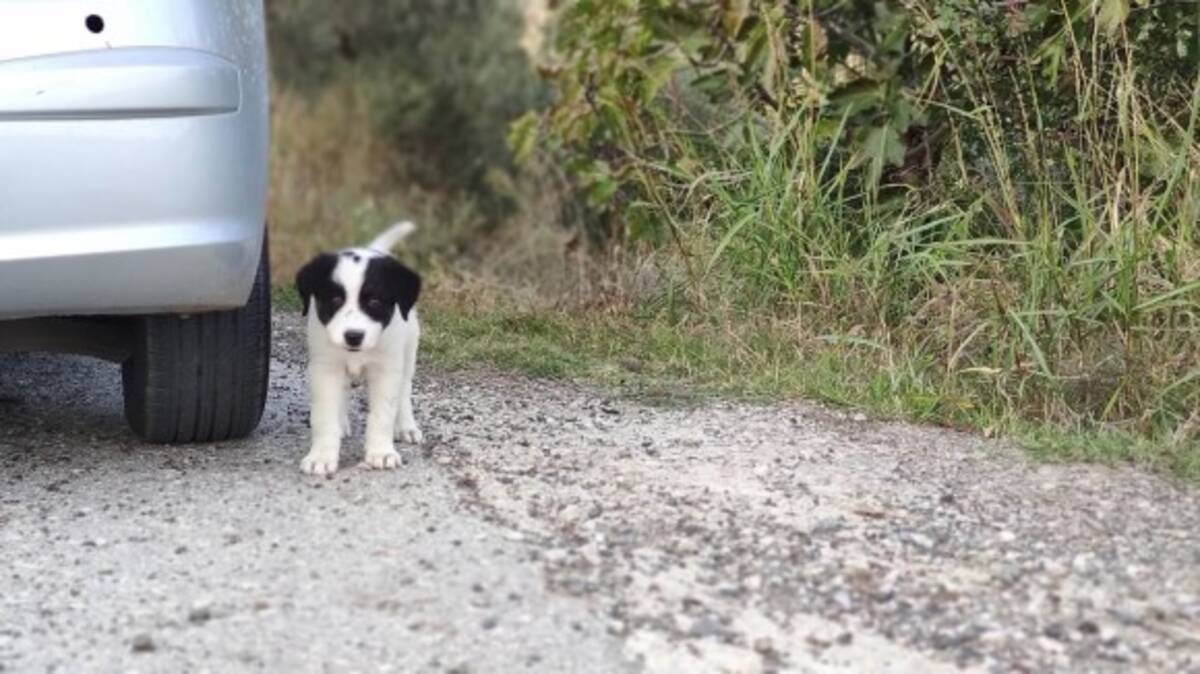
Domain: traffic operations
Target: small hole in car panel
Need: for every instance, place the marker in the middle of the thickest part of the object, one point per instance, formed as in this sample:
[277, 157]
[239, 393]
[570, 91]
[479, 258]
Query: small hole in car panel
[95, 23]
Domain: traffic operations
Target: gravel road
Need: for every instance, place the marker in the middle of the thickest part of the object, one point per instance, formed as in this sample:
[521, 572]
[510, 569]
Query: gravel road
[549, 527]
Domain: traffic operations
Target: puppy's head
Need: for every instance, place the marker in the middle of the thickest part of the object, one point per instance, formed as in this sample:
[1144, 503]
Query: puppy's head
[356, 294]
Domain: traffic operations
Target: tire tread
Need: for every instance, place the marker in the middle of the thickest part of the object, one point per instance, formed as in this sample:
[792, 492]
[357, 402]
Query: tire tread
[201, 378]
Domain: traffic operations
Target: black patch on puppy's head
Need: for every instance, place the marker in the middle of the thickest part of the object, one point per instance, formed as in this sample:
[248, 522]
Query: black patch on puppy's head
[315, 279]
[388, 284]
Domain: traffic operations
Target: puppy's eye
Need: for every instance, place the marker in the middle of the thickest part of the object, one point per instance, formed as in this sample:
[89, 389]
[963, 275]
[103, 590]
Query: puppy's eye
[336, 301]
[375, 303]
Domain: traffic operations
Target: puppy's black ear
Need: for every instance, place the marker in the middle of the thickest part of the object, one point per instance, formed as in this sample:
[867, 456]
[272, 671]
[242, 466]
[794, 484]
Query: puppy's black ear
[312, 276]
[403, 285]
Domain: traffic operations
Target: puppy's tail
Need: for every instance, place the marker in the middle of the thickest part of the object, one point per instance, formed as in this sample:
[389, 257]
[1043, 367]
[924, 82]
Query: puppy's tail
[388, 240]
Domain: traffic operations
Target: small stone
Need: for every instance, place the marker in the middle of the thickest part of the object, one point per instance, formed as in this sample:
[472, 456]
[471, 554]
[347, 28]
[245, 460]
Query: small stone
[860, 417]
[1007, 536]
[1089, 628]
[845, 639]
[843, 600]
[200, 614]
[142, 643]
[706, 626]
[489, 623]
[883, 595]
[764, 645]
[920, 540]
[1055, 631]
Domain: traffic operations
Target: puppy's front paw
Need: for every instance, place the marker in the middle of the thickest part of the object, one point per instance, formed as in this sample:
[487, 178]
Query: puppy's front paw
[383, 460]
[319, 463]
[410, 435]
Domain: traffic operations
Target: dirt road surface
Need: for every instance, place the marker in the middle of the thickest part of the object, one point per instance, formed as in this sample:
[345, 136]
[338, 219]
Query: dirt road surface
[551, 527]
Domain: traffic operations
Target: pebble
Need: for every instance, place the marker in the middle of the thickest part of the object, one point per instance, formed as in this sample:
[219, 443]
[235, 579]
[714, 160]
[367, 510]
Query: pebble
[920, 540]
[1083, 563]
[142, 643]
[706, 626]
[200, 614]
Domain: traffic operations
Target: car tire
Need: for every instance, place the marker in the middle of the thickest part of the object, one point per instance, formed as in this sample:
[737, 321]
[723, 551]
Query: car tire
[203, 377]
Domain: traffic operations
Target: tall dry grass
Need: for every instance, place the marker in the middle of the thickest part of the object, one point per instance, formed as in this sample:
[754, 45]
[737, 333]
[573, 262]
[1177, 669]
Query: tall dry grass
[336, 182]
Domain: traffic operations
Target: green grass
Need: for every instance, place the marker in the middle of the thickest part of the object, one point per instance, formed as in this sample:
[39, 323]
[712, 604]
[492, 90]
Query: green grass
[1041, 286]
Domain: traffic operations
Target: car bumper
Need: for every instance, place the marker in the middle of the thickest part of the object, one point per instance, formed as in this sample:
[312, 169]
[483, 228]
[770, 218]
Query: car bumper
[129, 269]
[131, 181]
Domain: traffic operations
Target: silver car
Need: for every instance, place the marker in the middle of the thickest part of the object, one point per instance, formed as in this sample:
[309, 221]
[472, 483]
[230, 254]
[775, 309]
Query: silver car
[133, 181]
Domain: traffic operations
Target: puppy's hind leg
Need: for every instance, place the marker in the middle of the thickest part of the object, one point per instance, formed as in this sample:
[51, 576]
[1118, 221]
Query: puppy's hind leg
[406, 423]
[326, 385]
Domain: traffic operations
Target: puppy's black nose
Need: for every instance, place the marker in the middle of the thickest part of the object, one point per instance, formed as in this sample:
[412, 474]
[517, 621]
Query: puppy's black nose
[354, 338]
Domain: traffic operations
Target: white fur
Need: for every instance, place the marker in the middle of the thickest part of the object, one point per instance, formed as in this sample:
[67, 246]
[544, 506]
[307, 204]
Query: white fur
[392, 236]
[386, 360]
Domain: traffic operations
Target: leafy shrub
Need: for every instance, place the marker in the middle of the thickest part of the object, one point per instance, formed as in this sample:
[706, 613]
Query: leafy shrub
[887, 79]
[445, 77]
[1007, 192]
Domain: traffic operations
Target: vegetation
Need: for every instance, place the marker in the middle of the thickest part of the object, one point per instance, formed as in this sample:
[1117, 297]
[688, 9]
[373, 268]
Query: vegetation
[391, 109]
[978, 214]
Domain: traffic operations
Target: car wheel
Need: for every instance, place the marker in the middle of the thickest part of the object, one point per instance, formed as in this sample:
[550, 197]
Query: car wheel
[201, 378]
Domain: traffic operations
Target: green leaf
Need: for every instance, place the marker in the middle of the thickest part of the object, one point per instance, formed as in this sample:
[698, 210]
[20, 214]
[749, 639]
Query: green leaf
[601, 192]
[859, 93]
[884, 145]
[714, 83]
[657, 72]
[523, 135]
[1112, 15]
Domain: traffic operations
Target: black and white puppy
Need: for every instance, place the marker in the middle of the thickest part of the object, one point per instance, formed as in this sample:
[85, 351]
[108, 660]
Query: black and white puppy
[362, 323]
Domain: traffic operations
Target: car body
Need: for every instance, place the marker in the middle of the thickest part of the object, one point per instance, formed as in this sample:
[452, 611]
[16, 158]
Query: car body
[133, 158]
[133, 182]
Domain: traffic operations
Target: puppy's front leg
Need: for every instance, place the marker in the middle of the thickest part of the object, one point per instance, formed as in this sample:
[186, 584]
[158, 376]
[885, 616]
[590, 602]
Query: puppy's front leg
[327, 388]
[383, 383]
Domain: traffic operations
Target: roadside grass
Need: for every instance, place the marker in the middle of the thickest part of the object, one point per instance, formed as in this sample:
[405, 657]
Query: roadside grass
[1042, 286]
[662, 362]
